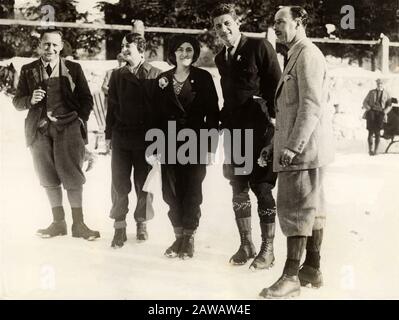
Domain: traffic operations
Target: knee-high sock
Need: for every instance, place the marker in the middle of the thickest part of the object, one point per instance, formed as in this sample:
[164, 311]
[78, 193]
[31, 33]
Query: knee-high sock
[54, 195]
[313, 249]
[295, 247]
[75, 197]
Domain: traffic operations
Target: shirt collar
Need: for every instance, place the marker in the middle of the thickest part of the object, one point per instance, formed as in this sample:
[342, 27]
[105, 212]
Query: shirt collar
[293, 47]
[52, 64]
[135, 69]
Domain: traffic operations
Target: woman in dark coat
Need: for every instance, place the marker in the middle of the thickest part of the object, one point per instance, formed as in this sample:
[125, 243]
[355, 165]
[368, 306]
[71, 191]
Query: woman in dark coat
[128, 118]
[187, 99]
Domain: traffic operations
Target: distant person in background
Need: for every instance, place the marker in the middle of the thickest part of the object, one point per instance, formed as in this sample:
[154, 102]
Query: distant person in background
[101, 106]
[377, 104]
[58, 99]
[138, 26]
[105, 85]
[129, 116]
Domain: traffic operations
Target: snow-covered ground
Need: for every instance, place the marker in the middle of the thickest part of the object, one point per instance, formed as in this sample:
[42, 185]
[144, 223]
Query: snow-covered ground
[359, 257]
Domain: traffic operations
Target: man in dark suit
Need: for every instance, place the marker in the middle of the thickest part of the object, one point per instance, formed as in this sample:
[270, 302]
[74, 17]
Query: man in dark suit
[249, 75]
[56, 93]
[129, 116]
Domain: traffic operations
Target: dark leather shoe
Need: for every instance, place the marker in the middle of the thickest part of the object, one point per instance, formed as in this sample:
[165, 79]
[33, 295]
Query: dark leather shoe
[245, 252]
[285, 287]
[265, 258]
[119, 238]
[174, 250]
[57, 228]
[80, 230]
[310, 276]
[187, 247]
[141, 234]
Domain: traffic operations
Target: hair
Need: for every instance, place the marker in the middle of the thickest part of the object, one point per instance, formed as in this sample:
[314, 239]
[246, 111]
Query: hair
[57, 31]
[224, 8]
[300, 13]
[138, 40]
[176, 41]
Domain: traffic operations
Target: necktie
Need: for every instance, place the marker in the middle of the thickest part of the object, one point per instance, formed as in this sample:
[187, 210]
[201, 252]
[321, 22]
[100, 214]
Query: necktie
[229, 53]
[49, 70]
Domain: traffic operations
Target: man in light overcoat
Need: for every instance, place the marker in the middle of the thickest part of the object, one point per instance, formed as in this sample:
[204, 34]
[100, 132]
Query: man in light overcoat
[302, 149]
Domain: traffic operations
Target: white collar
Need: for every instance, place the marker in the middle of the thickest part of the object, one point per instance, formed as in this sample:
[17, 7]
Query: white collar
[52, 64]
[135, 69]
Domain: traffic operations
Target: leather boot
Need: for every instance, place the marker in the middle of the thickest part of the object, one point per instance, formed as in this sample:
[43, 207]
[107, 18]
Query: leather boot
[246, 250]
[57, 227]
[310, 274]
[141, 234]
[265, 258]
[79, 229]
[288, 284]
[174, 250]
[120, 234]
[187, 246]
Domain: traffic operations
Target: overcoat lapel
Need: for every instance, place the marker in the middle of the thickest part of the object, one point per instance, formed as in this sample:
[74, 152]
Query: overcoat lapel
[291, 62]
[241, 44]
[193, 83]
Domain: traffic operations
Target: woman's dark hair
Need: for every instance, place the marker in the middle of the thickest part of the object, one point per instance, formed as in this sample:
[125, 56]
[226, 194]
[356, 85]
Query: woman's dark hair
[176, 41]
[138, 40]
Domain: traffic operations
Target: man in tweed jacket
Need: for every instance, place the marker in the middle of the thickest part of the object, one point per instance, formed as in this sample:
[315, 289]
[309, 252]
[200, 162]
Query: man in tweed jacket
[302, 149]
[58, 100]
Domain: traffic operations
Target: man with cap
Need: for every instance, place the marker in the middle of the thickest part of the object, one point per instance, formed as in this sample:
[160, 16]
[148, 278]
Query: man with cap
[377, 104]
